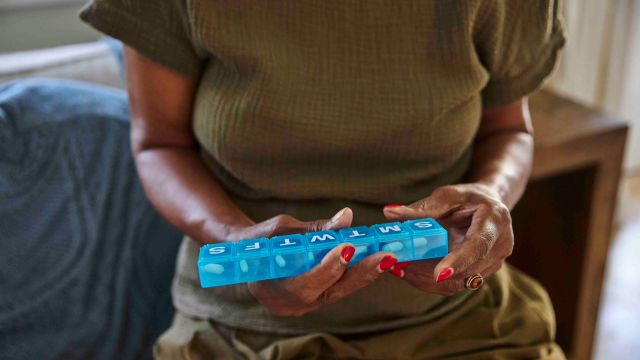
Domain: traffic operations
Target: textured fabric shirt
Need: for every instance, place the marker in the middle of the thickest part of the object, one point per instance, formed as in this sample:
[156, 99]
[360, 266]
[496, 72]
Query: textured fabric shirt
[307, 106]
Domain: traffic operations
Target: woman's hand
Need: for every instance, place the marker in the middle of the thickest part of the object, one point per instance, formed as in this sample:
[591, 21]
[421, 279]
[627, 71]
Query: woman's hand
[480, 236]
[327, 282]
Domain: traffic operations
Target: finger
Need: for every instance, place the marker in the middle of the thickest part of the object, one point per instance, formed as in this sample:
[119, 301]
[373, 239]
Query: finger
[359, 276]
[397, 272]
[310, 285]
[460, 284]
[480, 238]
[485, 268]
[398, 269]
[286, 224]
[433, 206]
[341, 219]
[401, 265]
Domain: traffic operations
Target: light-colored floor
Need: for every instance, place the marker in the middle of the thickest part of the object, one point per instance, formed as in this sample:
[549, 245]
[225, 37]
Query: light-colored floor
[618, 333]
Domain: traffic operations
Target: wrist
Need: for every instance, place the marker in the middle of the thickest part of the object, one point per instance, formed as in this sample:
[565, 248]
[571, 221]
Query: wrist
[225, 229]
[493, 189]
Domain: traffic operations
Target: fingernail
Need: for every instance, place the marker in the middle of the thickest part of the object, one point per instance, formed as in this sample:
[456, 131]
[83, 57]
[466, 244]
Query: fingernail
[347, 253]
[397, 272]
[386, 263]
[338, 215]
[392, 206]
[444, 275]
[402, 265]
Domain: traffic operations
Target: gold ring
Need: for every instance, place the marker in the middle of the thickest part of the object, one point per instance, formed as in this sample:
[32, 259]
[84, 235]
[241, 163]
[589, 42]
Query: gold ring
[474, 282]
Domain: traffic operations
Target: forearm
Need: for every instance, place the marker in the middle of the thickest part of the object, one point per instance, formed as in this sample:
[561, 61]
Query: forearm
[503, 151]
[503, 162]
[185, 192]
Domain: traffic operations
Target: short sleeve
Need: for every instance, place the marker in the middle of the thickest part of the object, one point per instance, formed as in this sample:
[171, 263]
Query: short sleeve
[158, 29]
[518, 42]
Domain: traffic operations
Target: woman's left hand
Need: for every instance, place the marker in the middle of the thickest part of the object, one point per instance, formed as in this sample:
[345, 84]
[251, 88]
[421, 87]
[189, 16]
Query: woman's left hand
[480, 236]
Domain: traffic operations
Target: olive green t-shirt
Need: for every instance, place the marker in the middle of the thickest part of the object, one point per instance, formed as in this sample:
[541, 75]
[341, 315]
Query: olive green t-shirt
[304, 107]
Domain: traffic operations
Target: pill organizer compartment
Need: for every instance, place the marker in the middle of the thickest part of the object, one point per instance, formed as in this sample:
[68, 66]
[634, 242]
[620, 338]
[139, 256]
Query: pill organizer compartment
[253, 260]
[319, 244]
[363, 239]
[395, 238]
[288, 255]
[430, 239]
[216, 265]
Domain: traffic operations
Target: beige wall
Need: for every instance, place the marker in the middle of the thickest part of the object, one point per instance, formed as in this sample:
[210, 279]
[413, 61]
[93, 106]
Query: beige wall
[43, 26]
[601, 61]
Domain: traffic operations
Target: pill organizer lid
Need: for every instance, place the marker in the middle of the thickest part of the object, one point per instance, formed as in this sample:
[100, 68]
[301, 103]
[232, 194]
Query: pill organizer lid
[321, 239]
[347, 235]
[287, 244]
[424, 226]
[389, 229]
[252, 248]
[216, 252]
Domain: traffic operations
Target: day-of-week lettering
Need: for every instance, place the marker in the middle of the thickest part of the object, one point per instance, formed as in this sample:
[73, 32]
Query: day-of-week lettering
[423, 224]
[355, 233]
[287, 242]
[322, 237]
[387, 229]
[255, 246]
[217, 250]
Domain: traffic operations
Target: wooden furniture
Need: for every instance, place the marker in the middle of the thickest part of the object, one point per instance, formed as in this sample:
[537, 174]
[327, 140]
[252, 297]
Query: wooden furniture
[563, 223]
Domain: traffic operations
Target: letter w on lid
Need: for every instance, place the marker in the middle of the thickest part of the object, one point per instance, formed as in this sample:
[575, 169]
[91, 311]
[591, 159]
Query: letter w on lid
[322, 237]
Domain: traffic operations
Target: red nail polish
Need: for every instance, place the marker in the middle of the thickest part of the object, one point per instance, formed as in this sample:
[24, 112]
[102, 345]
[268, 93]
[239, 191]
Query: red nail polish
[444, 275]
[387, 262]
[397, 272]
[347, 253]
[402, 265]
[391, 206]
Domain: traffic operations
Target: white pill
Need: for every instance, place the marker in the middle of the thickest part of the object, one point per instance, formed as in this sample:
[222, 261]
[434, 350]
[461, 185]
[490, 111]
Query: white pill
[214, 268]
[360, 249]
[280, 261]
[244, 266]
[393, 247]
[420, 242]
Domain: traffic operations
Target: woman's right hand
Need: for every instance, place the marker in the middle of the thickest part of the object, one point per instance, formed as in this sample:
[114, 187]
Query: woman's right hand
[324, 284]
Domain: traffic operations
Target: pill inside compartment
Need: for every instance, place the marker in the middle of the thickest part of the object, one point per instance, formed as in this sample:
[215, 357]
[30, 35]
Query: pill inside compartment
[253, 260]
[216, 265]
[319, 244]
[289, 255]
[430, 239]
[363, 239]
[395, 238]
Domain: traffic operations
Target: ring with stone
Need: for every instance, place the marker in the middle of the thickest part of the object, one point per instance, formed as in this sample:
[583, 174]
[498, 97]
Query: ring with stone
[474, 282]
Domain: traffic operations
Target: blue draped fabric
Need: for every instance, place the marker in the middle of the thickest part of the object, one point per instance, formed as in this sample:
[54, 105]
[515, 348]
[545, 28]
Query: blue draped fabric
[85, 261]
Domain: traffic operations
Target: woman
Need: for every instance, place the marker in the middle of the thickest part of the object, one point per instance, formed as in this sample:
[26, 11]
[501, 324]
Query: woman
[267, 117]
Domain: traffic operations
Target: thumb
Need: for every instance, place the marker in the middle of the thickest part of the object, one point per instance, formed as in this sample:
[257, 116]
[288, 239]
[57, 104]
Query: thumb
[429, 207]
[341, 219]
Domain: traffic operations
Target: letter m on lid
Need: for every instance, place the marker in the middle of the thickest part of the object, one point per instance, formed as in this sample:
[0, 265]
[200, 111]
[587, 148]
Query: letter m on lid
[389, 228]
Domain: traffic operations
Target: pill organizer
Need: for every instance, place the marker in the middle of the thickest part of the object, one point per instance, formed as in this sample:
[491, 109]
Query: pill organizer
[290, 255]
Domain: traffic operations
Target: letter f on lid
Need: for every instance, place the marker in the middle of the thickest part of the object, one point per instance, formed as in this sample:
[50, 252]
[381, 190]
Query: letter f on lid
[255, 246]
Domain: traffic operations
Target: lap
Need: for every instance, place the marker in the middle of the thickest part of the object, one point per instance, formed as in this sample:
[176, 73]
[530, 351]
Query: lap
[511, 318]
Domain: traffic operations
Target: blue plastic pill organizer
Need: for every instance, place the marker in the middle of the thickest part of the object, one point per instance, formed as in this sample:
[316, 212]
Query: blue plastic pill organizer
[291, 255]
